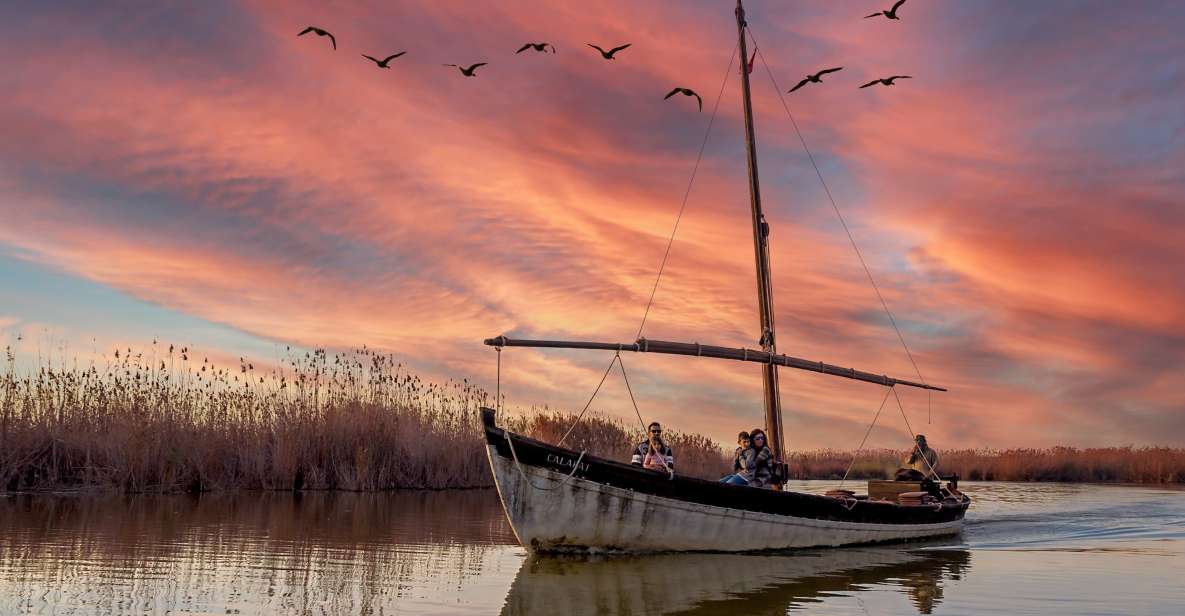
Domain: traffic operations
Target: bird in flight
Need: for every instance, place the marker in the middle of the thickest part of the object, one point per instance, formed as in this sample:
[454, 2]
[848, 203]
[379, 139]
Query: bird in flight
[815, 78]
[686, 92]
[319, 32]
[536, 47]
[385, 62]
[467, 71]
[608, 55]
[887, 81]
[891, 13]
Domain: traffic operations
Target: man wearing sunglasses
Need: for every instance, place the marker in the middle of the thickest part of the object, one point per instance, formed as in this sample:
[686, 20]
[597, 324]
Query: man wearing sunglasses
[653, 453]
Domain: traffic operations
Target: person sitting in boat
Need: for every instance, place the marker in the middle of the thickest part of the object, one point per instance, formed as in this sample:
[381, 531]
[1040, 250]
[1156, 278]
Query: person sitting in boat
[742, 461]
[921, 463]
[652, 453]
[763, 457]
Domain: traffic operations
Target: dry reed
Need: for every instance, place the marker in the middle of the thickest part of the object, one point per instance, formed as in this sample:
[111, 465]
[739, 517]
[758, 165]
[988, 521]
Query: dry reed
[169, 420]
[360, 420]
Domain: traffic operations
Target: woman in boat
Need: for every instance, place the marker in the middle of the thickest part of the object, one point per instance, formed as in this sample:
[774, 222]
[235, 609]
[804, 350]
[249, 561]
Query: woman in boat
[762, 468]
[742, 461]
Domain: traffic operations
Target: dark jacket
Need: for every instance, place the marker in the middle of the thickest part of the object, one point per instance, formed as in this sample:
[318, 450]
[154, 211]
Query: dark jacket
[744, 463]
[760, 467]
[643, 448]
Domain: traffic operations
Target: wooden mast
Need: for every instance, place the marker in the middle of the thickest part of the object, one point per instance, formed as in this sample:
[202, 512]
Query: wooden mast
[769, 372]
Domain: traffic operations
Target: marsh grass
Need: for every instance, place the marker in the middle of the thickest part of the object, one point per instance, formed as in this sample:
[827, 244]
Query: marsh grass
[170, 420]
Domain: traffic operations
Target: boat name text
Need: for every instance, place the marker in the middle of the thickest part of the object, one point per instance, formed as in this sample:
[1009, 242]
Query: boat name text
[562, 461]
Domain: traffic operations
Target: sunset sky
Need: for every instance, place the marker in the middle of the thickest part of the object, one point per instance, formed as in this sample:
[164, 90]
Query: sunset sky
[195, 172]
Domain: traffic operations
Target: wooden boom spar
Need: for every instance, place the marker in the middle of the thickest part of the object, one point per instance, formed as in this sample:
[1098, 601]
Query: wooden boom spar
[703, 350]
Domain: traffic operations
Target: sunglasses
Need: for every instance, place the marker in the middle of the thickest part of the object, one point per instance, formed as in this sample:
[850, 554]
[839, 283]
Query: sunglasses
[759, 438]
[656, 431]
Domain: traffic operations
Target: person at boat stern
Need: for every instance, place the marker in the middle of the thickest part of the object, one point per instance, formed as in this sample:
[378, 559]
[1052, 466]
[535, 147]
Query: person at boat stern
[742, 461]
[922, 462]
[763, 458]
[652, 453]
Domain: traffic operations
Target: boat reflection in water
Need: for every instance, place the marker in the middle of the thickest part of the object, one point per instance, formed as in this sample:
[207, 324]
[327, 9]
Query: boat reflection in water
[727, 583]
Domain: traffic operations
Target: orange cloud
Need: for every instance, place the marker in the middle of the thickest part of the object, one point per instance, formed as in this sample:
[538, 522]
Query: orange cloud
[299, 194]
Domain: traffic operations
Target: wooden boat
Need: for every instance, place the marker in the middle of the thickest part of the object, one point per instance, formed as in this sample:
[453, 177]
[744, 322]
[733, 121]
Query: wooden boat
[560, 499]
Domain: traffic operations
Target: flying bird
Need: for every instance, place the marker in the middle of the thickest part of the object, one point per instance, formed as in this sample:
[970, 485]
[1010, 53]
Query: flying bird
[686, 92]
[887, 81]
[608, 55]
[815, 78]
[536, 47]
[319, 32]
[385, 62]
[467, 71]
[891, 13]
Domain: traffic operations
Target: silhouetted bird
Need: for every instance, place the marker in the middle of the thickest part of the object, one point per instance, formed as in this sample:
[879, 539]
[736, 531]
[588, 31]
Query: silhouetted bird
[815, 78]
[686, 92]
[536, 47]
[467, 71]
[319, 32]
[887, 81]
[608, 55]
[385, 62]
[891, 13]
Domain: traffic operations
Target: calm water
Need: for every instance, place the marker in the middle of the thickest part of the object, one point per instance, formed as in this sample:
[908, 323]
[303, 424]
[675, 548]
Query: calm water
[1027, 549]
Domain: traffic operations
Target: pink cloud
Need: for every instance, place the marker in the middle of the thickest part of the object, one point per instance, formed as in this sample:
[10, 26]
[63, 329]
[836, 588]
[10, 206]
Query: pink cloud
[306, 196]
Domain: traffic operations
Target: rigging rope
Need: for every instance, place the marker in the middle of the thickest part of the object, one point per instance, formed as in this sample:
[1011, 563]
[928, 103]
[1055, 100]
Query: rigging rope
[865, 439]
[616, 358]
[690, 182]
[519, 466]
[911, 432]
[666, 254]
[835, 207]
[638, 412]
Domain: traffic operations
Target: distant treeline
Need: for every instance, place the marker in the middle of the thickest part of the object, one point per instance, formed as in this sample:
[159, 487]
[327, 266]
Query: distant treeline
[169, 420]
[1095, 464]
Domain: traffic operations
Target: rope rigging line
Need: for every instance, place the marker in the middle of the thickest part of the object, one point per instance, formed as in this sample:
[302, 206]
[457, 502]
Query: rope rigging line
[866, 433]
[616, 358]
[911, 432]
[638, 412]
[835, 207]
[519, 466]
[666, 253]
[690, 182]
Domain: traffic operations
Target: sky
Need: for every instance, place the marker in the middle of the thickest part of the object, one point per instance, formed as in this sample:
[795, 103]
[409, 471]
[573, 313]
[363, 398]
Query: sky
[196, 173]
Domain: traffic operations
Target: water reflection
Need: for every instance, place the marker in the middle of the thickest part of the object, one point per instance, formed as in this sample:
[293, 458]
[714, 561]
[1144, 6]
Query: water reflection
[258, 552]
[727, 583]
[1053, 549]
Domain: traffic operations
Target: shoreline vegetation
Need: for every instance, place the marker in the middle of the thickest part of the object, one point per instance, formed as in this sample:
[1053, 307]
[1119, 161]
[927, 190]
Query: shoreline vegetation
[172, 421]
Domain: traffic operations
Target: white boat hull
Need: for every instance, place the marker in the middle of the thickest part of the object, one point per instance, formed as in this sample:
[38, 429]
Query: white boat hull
[549, 510]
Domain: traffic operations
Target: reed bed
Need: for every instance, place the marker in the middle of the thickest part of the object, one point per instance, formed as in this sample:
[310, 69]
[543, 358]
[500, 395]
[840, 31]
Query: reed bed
[170, 420]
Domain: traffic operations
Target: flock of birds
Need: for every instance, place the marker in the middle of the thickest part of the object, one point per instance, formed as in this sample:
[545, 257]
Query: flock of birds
[471, 70]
